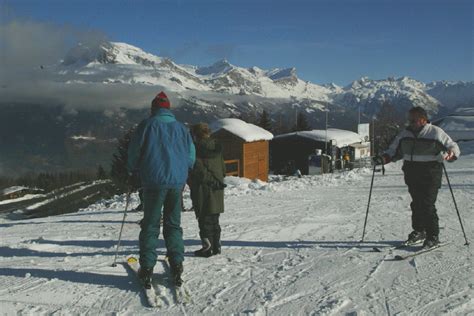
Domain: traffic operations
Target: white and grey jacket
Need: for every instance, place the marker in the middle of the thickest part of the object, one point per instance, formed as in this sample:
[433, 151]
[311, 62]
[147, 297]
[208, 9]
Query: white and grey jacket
[428, 145]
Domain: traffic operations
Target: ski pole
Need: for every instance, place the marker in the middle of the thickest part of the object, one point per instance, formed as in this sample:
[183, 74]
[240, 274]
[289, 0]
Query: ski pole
[129, 192]
[368, 203]
[455, 205]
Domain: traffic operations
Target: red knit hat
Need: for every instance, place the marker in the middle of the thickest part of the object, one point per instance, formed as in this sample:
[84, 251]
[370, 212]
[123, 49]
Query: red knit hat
[161, 101]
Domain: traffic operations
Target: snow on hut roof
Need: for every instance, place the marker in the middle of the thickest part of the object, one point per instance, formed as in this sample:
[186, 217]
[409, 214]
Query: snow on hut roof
[342, 137]
[246, 131]
[11, 190]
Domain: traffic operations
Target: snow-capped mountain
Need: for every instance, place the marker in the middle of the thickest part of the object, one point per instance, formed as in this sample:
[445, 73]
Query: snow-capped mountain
[123, 63]
[113, 62]
[452, 94]
[401, 92]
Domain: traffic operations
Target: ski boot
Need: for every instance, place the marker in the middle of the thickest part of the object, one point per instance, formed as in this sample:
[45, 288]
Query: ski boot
[431, 241]
[206, 250]
[216, 244]
[176, 272]
[145, 276]
[414, 237]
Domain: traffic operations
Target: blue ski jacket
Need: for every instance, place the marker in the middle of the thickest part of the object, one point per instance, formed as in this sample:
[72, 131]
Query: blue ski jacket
[161, 150]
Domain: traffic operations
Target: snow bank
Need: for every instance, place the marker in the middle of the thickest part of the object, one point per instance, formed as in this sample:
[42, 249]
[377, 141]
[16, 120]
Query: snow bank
[278, 183]
[12, 190]
[246, 131]
[23, 198]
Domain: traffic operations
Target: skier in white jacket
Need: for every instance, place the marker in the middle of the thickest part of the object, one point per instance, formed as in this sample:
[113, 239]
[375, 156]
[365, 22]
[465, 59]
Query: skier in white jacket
[423, 147]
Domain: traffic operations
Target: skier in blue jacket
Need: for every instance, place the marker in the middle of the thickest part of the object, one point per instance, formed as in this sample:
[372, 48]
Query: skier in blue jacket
[161, 151]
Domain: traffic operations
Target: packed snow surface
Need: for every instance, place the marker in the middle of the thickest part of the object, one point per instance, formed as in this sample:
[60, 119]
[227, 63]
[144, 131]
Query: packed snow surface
[341, 137]
[290, 247]
[246, 131]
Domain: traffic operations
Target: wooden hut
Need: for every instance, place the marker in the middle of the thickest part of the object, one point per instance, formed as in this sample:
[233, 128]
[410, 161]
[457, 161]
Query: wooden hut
[296, 148]
[245, 146]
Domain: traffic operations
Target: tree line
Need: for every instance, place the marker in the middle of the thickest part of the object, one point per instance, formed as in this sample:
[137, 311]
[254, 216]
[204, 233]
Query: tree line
[383, 130]
[264, 120]
[49, 181]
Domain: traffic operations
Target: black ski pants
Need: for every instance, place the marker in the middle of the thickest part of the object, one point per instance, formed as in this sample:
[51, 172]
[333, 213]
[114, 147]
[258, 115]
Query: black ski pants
[423, 180]
[209, 227]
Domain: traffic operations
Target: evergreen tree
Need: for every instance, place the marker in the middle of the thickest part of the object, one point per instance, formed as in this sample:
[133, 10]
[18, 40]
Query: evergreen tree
[119, 173]
[387, 125]
[302, 123]
[248, 117]
[265, 122]
[101, 174]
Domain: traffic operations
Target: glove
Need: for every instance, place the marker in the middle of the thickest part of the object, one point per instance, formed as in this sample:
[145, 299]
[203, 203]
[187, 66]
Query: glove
[378, 160]
[450, 157]
[217, 185]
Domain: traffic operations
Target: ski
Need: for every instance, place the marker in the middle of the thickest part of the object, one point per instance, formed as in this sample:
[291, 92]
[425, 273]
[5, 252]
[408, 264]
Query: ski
[399, 246]
[181, 293]
[418, 252]
[153, 299]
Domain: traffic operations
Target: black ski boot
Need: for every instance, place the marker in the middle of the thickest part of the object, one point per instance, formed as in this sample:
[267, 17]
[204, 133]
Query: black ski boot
[414, 237]
[206, 250]
[176, 272]
[139, 208]
[431, 241]
[216, 244]
[145, 275]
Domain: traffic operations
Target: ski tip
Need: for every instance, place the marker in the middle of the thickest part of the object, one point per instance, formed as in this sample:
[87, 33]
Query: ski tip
[132, 259]
[398, 257]
[376, 249]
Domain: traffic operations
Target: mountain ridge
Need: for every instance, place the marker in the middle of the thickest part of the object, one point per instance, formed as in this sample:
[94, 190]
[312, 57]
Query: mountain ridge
[112, 59]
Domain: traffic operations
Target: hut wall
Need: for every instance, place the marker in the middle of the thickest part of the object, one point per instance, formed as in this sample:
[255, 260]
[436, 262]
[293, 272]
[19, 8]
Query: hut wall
[253, 157]
[256, 156]
[232, 146]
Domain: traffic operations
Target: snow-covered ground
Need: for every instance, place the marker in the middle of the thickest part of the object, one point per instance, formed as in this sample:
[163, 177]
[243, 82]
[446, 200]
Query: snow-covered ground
[290, 247]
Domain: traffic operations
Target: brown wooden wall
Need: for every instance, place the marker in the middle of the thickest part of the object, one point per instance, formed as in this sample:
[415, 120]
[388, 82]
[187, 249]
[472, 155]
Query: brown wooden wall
[232, 145]
[254, 156]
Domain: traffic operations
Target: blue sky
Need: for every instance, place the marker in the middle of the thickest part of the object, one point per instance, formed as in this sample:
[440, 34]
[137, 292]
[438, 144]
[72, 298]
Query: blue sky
[327, 41]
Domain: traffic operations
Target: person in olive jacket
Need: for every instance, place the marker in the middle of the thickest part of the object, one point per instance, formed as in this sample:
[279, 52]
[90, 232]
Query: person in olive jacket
[207, 189]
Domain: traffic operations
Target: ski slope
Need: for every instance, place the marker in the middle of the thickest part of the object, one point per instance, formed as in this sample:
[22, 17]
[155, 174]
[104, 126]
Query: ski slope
[290, 247]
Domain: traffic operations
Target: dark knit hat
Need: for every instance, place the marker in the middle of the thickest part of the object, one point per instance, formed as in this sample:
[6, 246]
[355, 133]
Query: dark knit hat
[161, 101]
[418, 111]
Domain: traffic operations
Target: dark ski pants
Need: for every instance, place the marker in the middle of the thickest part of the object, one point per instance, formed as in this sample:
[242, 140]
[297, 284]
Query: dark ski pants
[209, 227]
[423, 180]
[154, 201]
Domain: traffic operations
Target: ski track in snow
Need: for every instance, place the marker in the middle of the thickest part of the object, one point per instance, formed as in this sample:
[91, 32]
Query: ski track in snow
[285, 252]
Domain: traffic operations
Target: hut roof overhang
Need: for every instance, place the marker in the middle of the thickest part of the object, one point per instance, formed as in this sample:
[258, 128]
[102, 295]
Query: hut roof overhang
[246, 131]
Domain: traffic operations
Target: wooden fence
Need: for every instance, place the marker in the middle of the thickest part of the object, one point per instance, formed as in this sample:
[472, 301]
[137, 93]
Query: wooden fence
[232, 167]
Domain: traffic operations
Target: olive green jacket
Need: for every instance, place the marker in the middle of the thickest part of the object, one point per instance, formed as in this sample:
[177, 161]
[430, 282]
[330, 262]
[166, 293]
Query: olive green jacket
[207, 178]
